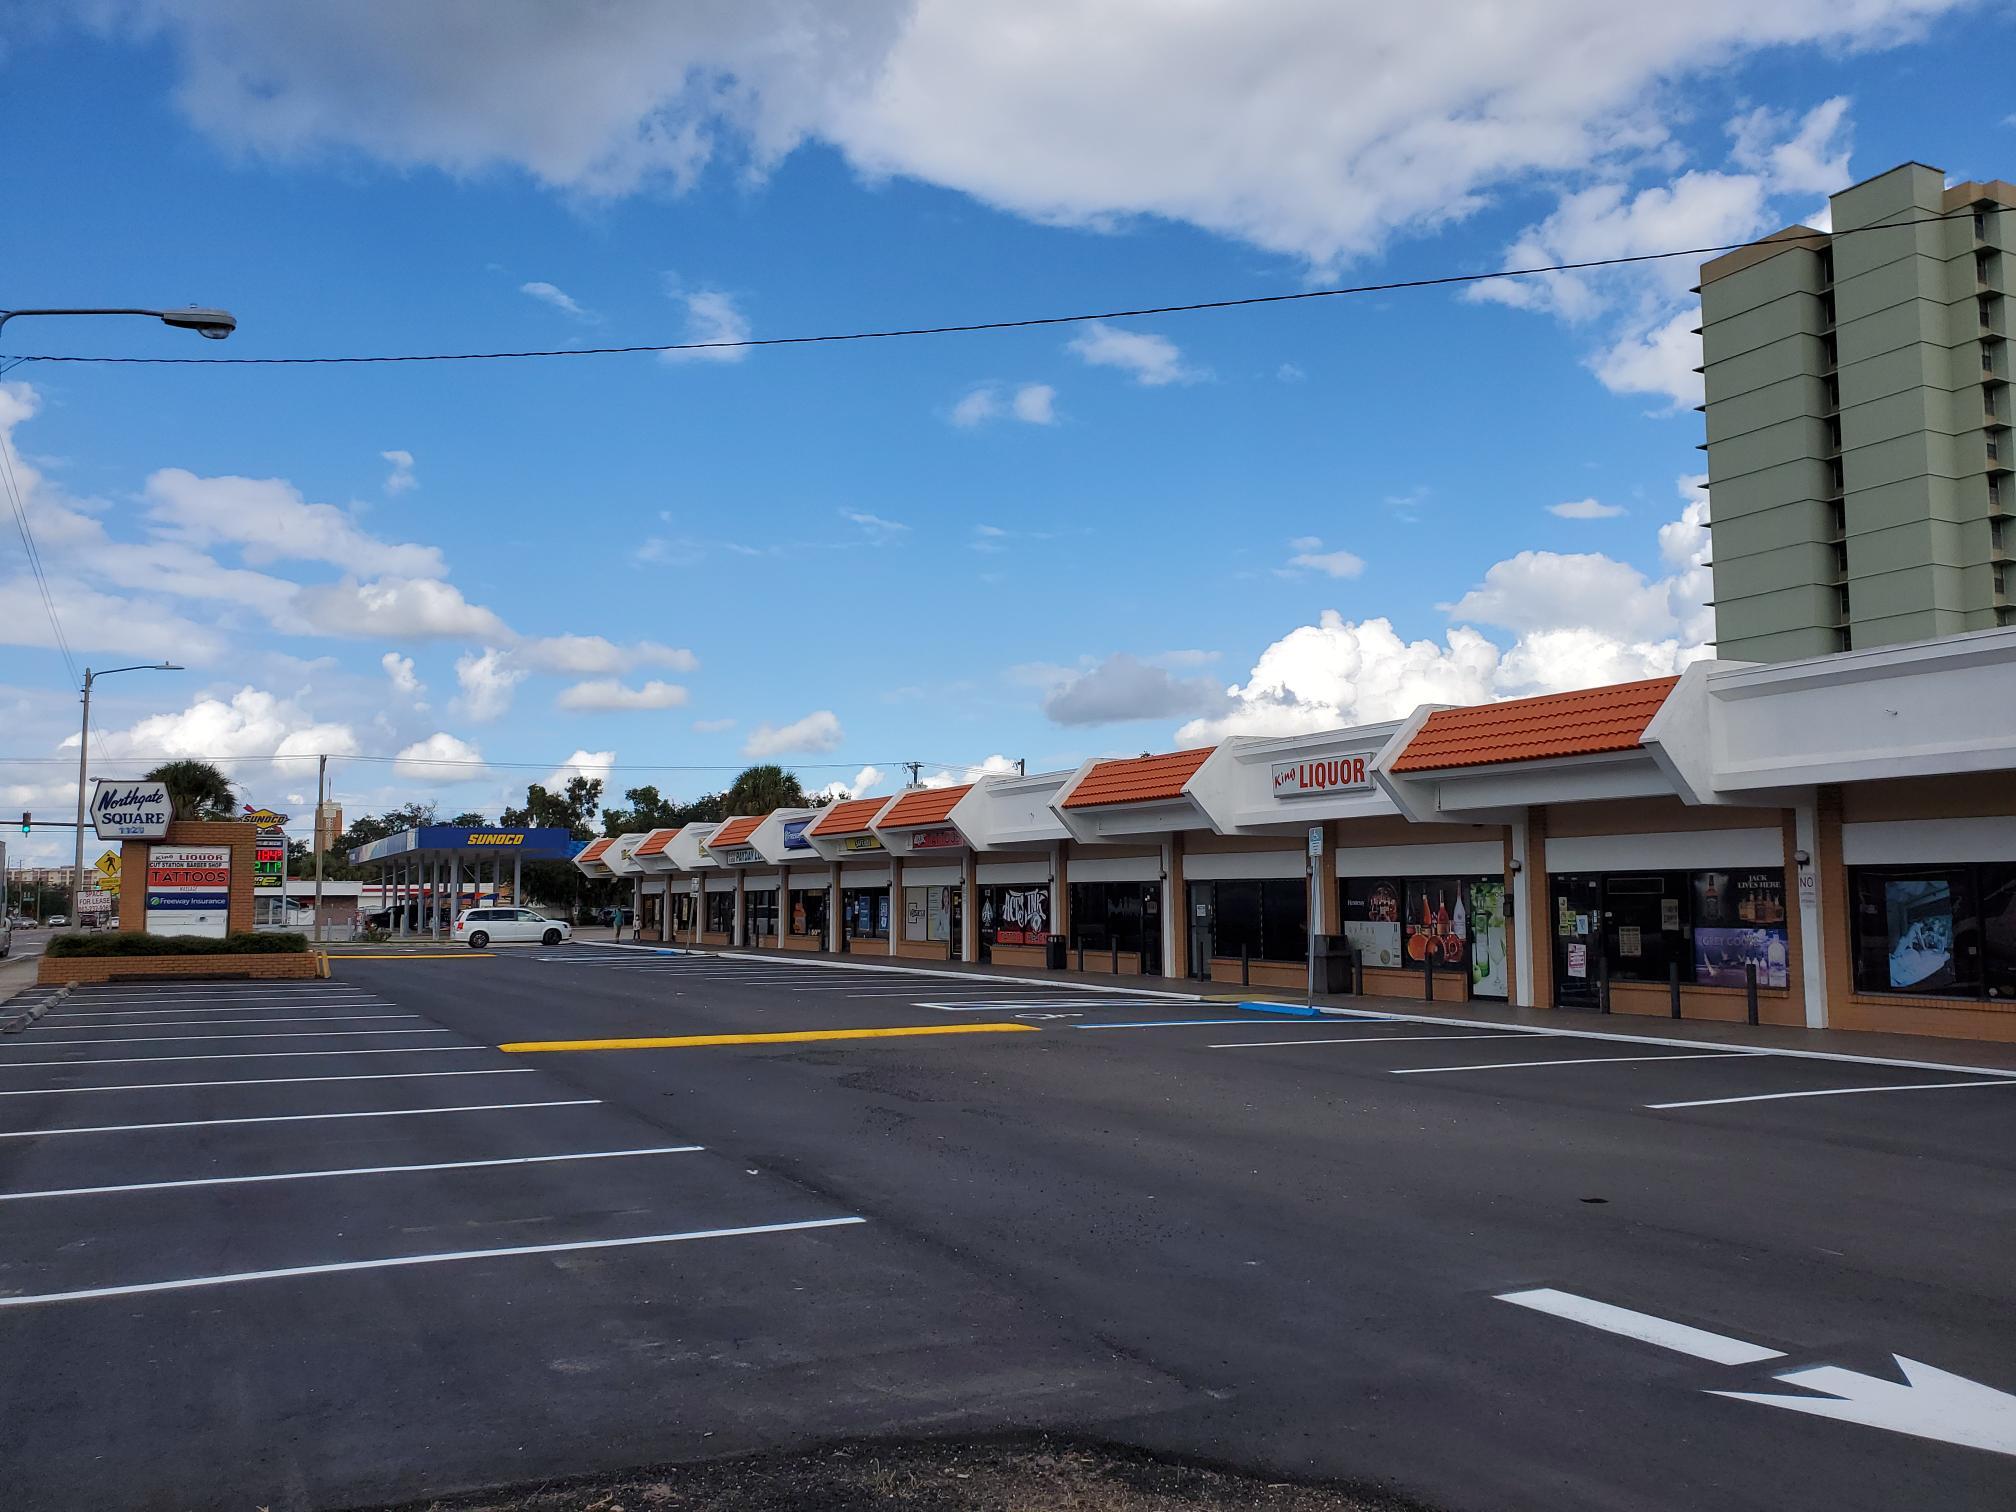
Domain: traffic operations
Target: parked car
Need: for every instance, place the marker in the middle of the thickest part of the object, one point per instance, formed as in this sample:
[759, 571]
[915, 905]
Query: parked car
[59, 921]
[486, 926]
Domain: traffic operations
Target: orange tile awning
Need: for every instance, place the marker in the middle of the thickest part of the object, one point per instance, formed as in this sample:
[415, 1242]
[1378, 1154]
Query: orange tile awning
[1138, 779]
[924, 806]
[735, 832]
[1584, 723]
[654, 843]
[593, 850]
[850, 818]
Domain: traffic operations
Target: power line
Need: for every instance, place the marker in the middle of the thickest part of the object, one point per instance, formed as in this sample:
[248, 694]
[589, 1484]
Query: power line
[34, 555]
[446, 761]
[1435, 281]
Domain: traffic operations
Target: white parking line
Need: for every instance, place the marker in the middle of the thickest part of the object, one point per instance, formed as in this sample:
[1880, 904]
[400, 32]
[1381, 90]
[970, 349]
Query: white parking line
[1716, 1102]
[338, 1267]
[1584, 1060]
[241, 999]
[178, 1039]
[260, 1081]
[163, 1060]
[383, 1170]
[213, 1123]
[326, 1018]
[198, 1015]
[1698, 1342]
[1352, 1039]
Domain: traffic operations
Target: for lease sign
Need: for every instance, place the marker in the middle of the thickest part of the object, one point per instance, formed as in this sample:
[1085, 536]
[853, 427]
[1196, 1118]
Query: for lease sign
[1311, 779]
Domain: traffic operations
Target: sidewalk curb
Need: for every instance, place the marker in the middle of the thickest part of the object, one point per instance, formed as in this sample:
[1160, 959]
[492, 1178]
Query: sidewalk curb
[14, 1023]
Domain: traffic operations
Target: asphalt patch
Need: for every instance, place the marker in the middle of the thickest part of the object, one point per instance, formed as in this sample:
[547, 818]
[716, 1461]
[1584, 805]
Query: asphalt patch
[1035, 1474]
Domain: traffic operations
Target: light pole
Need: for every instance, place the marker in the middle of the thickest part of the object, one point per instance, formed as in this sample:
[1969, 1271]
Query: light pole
[215, 324]
[83, 758]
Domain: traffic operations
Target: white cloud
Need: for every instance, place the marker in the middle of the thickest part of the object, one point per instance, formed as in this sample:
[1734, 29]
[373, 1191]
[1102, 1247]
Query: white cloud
[1035, 404]
[488, 681]
[1313, 130]
[864, 782]
[588, 655]
[1309, 556]
[404, 680]
[401, 478]
[711, 316]
[1659, 360]
[595, 765]
[401, 608]
[608, 693]
[1585, 509]
[560, 299]
[1124, 687]
[1152, 360]
[1578, 620]
[98, 621]
[1808, 155]
[712, 726]
[875, 525]
[438, 760]
[268, 520]
[1289, 372]
[979, 404]
[816, 732]
[993, 766]
[251, 723]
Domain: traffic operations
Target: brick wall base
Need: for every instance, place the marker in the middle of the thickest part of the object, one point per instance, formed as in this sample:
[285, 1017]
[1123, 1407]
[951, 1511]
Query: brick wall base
[91, 970]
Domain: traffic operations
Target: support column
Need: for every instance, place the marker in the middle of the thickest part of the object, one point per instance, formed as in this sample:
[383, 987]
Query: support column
[969, 912]
[1175, 911]
[738, 934]
[834, 923]
[1812, 942]
[1060, 895]
[517, 881]
[403, 874]
[1523, 889]
[895, 901]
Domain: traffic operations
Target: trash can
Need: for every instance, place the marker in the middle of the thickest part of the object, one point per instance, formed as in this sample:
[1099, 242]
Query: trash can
[1056, 953]
[1334, 962]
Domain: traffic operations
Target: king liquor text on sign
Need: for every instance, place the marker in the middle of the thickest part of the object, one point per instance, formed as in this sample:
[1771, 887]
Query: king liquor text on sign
[1311, 779]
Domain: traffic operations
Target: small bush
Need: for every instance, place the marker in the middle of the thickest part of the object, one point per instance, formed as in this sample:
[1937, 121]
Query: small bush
[119, 943]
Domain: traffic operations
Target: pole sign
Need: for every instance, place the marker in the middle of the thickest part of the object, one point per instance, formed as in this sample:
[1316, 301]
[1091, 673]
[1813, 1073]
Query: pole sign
[269, 865]
[188, 889]
[1316, 779]
[130, 810]
[1315, 841]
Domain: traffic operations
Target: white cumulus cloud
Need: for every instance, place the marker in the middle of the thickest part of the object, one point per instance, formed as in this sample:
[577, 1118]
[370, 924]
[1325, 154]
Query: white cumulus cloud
[711, 317]
[817, 732]
[609, 694]
[1585, 509]
[401, 478]
[559, 298]
[1150, 359]
[488, 681]
[439, 760]
[595, 765]
[269, 521]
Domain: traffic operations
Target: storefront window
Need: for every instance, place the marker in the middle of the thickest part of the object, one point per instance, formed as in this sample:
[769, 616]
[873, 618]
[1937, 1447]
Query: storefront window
[1640, 926]
[1944, 931]
[929, 912]
[760, 910]
[1739, 921]
[808, 911]
[1123, 914]
[1015, 914]
[1372, 920]
[864, 912]
[1265, 919]
[720, 912]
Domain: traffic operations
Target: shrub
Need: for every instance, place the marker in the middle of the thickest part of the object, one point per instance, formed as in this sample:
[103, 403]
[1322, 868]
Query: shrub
[118, 943]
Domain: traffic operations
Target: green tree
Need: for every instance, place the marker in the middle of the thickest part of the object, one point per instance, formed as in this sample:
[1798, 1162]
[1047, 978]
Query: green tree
[368, 827]
[572, 808]
[469, 821]
[196, 790]
[762, 788]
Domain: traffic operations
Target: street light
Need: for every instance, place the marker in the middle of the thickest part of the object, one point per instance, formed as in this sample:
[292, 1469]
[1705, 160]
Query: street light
[83, 757]
[215, 324]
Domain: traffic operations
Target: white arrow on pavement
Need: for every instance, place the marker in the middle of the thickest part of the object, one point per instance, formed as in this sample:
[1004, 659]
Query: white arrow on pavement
[1928, 1403]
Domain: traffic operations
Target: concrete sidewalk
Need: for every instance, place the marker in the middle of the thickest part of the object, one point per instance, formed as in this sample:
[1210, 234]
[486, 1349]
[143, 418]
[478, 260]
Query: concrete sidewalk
[1986, 1055]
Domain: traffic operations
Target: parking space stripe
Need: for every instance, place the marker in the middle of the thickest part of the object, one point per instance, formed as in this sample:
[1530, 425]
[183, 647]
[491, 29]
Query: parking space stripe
[1716, 1102]
[214, 1123]
[1166, 1024]
[1582, 1060]
[445, 1257]
[260, 1081]
[326, 1018]
[799, 1036]
[180, 1039]
[1348, 1039]
[383, 1170]
[163, 1060]
[1698, 1342]
[199, 1015]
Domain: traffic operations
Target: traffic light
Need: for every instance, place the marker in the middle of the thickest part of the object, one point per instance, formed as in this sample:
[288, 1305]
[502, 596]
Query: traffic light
[27, 821]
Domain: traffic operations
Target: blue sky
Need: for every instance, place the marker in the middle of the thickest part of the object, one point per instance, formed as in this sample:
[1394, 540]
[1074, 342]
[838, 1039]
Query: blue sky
[1044, 544]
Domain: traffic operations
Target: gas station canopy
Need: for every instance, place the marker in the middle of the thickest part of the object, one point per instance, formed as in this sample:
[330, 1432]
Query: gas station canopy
[429, 874]
[439, 841]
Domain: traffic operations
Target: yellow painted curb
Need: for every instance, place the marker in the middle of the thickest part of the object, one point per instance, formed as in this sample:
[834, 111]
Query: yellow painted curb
[688, 1041]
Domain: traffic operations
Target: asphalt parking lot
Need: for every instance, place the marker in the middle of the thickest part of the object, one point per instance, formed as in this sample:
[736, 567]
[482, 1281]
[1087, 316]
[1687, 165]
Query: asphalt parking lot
[464, 1220]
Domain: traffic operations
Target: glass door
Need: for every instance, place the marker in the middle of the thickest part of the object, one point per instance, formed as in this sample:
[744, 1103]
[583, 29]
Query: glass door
[1575, 923]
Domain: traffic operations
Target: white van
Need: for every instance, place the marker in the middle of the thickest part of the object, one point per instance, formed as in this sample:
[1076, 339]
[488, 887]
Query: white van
[503, 926]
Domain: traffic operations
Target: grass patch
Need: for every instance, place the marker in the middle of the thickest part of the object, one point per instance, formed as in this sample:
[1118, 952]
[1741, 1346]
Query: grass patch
[117, 943]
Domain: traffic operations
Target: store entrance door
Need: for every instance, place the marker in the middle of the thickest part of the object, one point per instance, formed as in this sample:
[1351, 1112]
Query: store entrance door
[1575, 922]
[1203, 929]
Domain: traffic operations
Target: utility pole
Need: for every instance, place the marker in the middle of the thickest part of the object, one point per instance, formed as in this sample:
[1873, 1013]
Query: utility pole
[321, 787]
[914, 768]
[1021, 767]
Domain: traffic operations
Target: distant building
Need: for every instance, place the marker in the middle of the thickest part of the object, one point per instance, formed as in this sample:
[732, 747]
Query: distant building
[1858, 417]
[328, 825]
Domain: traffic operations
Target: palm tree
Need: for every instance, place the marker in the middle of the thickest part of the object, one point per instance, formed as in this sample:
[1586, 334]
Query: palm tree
[196, 790]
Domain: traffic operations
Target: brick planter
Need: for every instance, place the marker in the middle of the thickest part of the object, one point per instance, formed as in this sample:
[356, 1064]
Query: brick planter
[92, 970]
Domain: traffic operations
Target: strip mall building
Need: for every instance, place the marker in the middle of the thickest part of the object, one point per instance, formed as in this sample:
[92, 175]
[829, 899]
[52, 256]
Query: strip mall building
[1842, 827]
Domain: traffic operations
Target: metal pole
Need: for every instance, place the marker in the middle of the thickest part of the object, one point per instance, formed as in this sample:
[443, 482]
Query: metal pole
[321, 787]
[1603, 976]
[83, 759]
[1428, 975]
[1673, 987]
[1750, 989]
[1245, 964]
[1309, 932]
[518, 882]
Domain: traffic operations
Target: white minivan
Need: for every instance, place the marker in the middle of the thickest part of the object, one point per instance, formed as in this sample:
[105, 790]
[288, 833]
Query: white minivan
[501, 926]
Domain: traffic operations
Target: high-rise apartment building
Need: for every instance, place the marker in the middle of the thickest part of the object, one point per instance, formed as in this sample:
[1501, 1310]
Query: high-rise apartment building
[328, 824]
[1859, 443]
